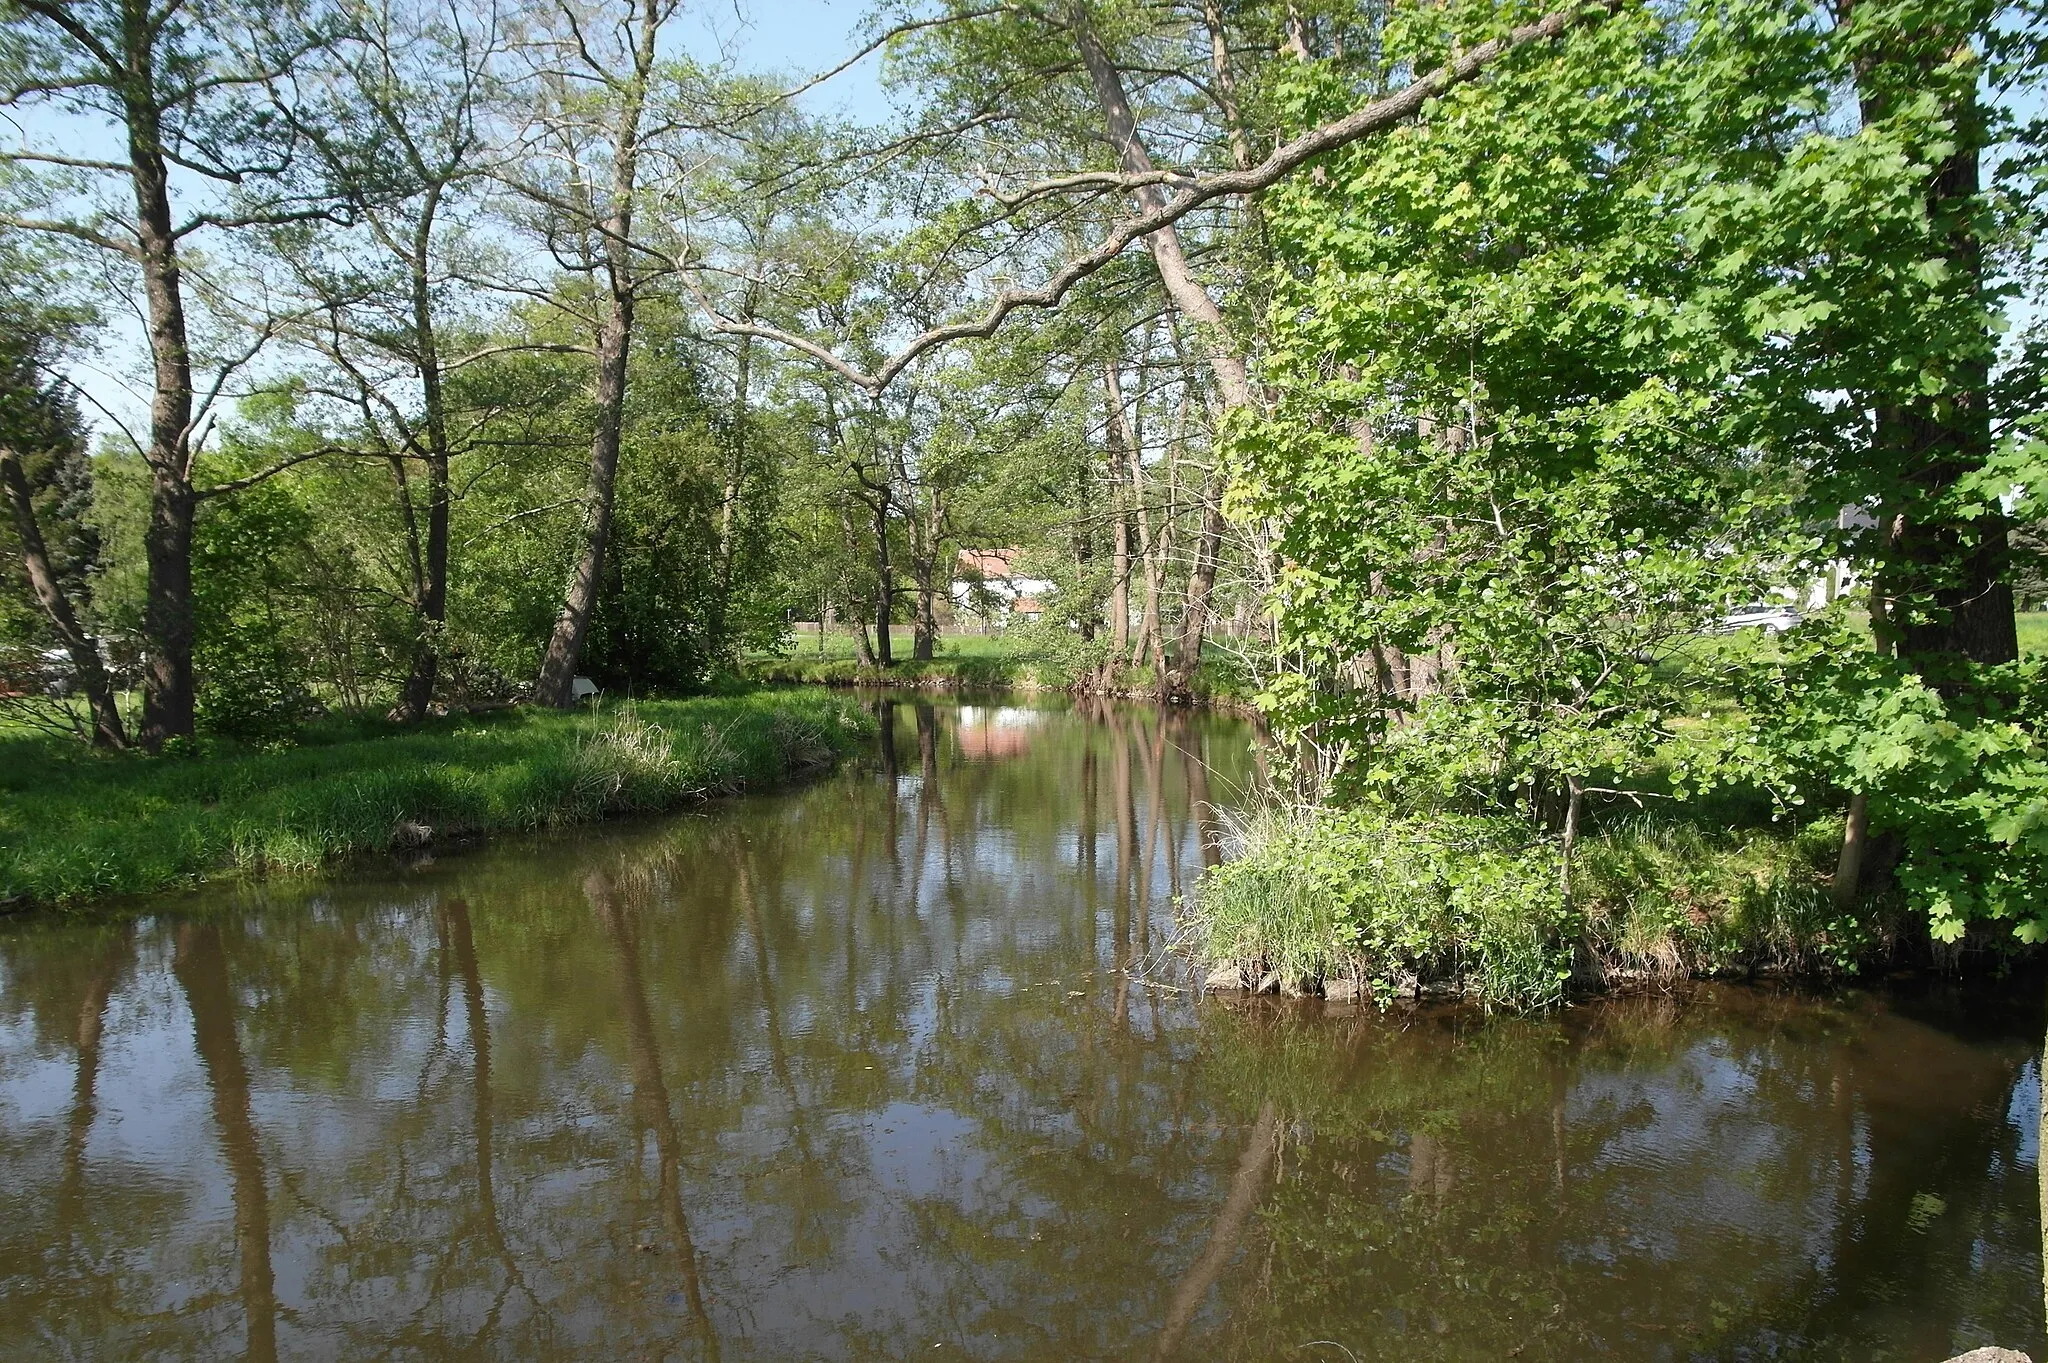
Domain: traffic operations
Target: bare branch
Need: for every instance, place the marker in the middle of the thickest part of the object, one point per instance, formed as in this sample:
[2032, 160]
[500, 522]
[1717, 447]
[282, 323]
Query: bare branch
[1374, 117]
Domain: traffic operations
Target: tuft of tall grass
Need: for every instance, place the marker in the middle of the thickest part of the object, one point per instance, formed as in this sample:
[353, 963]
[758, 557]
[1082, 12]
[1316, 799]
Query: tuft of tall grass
[1403, 902]
[76, 825]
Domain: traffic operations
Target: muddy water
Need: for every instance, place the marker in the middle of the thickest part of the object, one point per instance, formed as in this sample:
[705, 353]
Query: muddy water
[859, 1071]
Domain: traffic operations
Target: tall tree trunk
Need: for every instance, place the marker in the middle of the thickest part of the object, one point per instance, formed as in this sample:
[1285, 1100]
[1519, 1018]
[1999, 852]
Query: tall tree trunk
[1947, 581]
[1193, 302]
[735, 480]
[1117, 455]
[83, 648]
[430, 603]
[556, 685]
[167, 694]
[885, 578]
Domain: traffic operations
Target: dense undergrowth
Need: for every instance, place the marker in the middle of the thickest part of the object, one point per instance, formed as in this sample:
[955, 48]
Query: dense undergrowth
[74, 825]
[1385, 905]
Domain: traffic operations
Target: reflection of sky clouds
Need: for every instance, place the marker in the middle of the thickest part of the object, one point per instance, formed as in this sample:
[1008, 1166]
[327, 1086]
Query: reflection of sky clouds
[886, 1138]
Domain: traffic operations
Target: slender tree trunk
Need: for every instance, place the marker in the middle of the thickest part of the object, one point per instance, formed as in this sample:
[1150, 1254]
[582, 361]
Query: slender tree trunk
[924, 569]
[1117, 453]
[735, 480]
[1193, 302]
[885, 594]
[84, 649]
[431, 602]
[1575, 799]
[556, 685]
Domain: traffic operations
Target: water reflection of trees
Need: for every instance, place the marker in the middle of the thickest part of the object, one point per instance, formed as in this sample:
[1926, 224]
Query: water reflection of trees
[820, 1052]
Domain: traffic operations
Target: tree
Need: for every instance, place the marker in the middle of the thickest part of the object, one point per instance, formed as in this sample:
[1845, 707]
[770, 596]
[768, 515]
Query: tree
[42, 468]
[187, 87]
[594, 91]
[402, 139]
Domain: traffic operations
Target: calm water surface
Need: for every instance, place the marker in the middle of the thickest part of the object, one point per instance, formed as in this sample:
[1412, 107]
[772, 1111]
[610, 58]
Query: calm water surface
[858, 1072]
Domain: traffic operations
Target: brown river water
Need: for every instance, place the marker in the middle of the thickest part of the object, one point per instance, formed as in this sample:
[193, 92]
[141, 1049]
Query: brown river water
[893, 1066]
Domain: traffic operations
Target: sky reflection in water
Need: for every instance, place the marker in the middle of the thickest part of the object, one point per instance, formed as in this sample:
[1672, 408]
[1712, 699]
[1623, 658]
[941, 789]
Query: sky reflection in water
[859, 1071]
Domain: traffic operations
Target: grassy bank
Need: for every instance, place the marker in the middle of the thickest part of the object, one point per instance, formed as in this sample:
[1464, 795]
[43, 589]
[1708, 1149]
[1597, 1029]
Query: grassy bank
[74, 825]
[1369, 904]
[1019, 661]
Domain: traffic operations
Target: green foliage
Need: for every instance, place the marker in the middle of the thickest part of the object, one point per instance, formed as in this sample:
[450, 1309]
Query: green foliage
[250, 555]
[1403, 902]
[1958, 779]
[1319, 895]
[1498, 445]
[74, 826]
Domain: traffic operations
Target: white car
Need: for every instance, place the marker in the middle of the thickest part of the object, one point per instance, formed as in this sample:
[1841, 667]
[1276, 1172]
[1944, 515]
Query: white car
[1771, 619]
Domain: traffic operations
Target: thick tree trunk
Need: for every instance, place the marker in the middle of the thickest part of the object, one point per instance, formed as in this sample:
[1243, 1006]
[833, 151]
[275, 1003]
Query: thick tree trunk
[1855, 842]
[107, 731]
[167, 695]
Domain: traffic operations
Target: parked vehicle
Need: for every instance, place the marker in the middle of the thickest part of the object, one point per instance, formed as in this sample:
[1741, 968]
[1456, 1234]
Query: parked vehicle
[1771, 618]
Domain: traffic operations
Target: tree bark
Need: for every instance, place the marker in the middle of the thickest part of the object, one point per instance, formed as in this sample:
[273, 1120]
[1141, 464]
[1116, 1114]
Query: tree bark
[1849, 863]
[84, 649]
[1193, 302]
[167, 694]
[1947, 580]
[1120, 523]
[885, 577]
[431, 601]
[556, 685]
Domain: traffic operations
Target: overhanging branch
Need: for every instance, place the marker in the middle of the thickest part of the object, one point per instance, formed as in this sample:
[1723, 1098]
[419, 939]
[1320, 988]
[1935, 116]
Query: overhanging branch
[1381, 114]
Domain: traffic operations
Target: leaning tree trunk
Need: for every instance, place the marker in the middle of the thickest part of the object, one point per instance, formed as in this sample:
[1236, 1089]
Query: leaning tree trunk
[83, 648]
[556, 686]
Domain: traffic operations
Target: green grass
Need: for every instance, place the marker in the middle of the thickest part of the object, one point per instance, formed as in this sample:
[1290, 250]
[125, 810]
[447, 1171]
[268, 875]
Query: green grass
[76, 825]
[2033, 627]
[1396, 904]
[1018, 660]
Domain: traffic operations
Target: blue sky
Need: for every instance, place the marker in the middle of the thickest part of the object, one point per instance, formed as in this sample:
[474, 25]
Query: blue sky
[798, 37]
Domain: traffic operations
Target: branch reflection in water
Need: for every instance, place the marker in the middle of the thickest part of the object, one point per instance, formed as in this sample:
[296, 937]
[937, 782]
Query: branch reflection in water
[881, 1064]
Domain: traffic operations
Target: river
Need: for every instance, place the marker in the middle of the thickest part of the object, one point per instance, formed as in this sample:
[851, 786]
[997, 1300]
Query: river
[896, 1065]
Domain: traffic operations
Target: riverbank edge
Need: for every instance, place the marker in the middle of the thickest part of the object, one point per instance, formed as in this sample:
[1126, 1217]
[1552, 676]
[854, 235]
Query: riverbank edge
[955, 676]
[1371, 907]
[95, 829]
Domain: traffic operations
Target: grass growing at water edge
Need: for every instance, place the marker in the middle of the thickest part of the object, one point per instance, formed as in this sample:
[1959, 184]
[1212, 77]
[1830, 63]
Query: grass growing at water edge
[75, 825]
[1396, 904]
